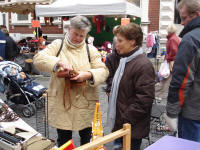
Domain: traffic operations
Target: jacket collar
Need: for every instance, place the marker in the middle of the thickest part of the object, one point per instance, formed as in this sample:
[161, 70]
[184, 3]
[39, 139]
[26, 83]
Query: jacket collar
[130, 53]
[71, 45]
[195, 23]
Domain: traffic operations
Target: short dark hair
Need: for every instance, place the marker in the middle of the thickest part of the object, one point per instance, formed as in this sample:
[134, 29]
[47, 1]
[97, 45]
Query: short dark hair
[131, 31]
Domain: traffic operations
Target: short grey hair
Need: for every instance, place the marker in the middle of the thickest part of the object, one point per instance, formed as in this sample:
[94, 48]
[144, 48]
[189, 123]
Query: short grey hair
[192, 6]
[80, 22]
[171, 28]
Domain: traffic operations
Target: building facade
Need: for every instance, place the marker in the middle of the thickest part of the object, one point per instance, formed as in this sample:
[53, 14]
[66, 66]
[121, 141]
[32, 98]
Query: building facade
[156, 16]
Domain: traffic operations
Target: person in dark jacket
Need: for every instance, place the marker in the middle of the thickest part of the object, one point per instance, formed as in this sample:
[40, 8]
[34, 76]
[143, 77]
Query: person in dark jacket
[184, 91]
[132, 90]
[2, 45]
[172, 48]
[11, 48]
[112, 64]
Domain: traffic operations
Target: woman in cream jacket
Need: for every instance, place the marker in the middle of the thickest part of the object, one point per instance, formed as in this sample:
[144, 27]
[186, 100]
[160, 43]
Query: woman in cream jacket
[74, 56]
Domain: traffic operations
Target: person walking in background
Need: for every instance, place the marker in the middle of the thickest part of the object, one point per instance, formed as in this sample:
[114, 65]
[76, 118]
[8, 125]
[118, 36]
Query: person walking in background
[115, 36]
[2, 45]
[11, 48]
[171, 50]
[132, 90]
[74, 113]
[41, 40]
[112, 62]
[183, 103]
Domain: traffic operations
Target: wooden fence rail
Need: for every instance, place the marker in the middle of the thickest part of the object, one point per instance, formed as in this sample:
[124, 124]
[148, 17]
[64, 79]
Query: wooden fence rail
[125, 132]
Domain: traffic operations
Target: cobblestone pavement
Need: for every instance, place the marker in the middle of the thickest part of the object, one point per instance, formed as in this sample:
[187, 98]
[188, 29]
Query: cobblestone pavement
[52, 132]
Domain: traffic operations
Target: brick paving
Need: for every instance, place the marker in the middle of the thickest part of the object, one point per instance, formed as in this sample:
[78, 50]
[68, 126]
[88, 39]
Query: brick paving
[52, 132]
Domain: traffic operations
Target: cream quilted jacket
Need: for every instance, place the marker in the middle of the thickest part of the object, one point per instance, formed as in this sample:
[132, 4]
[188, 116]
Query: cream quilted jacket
[75, 118]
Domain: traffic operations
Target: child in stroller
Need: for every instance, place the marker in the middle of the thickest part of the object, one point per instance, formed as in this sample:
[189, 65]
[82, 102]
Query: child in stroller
[19, 88]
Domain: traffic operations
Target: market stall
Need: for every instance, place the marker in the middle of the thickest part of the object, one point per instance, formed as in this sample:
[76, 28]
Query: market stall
[15, 134]
[103, 15]
[88, 8]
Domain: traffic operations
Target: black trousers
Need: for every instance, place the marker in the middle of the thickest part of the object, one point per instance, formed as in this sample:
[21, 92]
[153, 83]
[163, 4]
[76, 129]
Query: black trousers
[66, 135]
[135, 144]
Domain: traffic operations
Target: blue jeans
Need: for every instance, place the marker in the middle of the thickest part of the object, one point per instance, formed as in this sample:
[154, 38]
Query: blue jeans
[188, 129]
[135, 144]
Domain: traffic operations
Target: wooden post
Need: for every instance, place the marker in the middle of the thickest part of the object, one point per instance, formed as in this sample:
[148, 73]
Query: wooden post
[127, 137]
[125, 133]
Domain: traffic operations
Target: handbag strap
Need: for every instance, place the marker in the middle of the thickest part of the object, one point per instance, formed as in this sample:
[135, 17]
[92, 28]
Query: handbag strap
[61, 46]
[68, 84]
[58, 53]
[88, 52]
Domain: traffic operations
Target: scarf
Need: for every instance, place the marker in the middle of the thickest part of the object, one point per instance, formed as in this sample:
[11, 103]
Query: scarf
[115, 87]
[70, 42]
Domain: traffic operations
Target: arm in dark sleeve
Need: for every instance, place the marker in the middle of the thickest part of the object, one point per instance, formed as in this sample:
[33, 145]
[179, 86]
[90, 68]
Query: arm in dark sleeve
[11, 49]
[111, 74]
[145, 90]
[182, 78]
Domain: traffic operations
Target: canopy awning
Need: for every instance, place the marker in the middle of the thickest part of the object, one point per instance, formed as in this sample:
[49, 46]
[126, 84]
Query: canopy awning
[22, 6]
[88, 8]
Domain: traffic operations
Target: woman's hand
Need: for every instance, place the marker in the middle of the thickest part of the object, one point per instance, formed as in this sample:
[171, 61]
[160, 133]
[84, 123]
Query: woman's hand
[64, 65]
[82, 76]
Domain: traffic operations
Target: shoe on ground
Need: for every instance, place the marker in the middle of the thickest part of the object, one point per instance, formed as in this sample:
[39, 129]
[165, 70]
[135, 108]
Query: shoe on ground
[117, 147]
[158, 99]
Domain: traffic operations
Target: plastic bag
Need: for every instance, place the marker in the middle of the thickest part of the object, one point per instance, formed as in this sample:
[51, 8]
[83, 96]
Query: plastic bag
[172, 123]
[164, 70]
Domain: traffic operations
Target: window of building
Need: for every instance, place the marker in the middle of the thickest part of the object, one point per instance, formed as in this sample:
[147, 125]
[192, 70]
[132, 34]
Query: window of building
[136, 2]
[4, 19]
[177, 19]
[21, 17]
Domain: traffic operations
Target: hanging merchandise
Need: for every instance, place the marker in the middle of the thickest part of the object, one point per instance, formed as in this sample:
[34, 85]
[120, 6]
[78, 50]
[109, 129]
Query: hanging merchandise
[65, 18]
[99, 23]
[107, 46]
[46, 20]
[150, 40]
[51, 20]
[152, 44]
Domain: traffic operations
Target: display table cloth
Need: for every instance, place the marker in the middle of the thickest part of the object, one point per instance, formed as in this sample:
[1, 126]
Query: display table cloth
[174, 143]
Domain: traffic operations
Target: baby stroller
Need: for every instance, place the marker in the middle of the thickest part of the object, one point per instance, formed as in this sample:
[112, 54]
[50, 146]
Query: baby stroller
[19, 88]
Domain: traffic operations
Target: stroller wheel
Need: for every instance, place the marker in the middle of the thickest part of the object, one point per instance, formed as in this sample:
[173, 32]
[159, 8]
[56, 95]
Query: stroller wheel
[28, 110]
[39, 103]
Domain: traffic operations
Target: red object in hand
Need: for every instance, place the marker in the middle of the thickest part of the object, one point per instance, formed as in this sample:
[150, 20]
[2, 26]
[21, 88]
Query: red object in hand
[65, 74]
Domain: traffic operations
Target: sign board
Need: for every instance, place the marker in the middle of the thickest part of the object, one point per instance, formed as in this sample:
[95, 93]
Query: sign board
[125, 21]
[36, 23]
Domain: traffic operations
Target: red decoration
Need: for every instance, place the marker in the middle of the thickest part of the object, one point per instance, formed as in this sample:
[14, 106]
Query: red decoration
[46, 20]
[99, 23]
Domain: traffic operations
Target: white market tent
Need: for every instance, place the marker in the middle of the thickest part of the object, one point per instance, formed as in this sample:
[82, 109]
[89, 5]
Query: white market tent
[88, 8]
